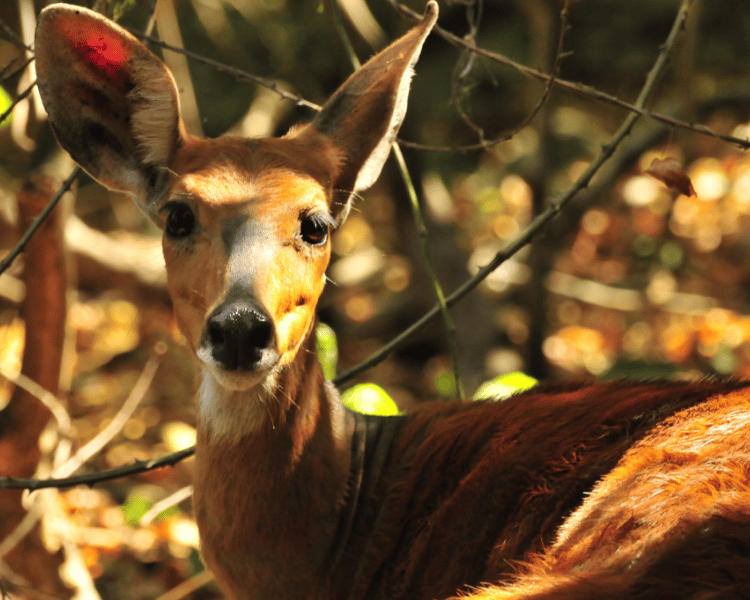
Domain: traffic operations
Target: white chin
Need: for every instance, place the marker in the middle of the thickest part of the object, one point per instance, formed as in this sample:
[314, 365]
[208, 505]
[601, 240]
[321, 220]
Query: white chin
[238, 381]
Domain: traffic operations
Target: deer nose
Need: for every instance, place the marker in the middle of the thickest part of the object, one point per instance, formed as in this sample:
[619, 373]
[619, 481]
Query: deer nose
[240, 337]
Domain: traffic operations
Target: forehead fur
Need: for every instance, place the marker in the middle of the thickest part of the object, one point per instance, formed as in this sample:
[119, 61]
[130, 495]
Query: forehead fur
[243, 160]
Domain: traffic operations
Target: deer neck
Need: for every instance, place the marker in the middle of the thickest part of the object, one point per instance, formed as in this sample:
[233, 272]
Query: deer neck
[269, 495]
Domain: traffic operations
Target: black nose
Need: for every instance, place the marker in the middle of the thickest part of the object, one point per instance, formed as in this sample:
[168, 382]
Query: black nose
[239, 336]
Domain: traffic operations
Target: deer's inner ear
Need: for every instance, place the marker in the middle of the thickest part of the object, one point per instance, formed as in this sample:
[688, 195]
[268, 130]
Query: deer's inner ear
[111, 102]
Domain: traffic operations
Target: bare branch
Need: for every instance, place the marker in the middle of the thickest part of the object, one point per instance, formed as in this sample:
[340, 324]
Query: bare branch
[188, 587]
[235, 72]
[10, 70]
[139, 466]
[116, 424]
[6, 262]
[10, 35]
[173, 499]
[59, 413]
[549, 79]
[21, 97]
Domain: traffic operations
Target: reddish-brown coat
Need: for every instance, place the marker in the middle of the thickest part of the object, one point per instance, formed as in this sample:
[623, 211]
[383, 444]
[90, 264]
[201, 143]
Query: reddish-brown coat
[470, 493]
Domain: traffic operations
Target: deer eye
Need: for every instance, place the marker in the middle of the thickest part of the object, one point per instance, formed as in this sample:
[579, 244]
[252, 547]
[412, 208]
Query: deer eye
[314, 228]
[180, 220]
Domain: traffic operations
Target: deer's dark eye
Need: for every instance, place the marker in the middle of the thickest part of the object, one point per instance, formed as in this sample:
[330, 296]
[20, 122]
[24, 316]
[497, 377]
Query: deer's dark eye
[180, 220]
[314, 228]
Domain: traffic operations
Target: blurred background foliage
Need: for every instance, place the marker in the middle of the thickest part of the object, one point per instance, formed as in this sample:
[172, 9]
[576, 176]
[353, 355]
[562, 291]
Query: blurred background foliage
[632, 279]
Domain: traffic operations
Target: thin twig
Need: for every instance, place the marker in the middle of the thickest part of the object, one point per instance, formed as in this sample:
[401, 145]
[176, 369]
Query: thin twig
[424, 242]
[484, 144]
[21, 97]
[559, 55]
[9, 71]
[22, 529]
[416, 211]
[10, 35]
[159, 507]
[61, 416]
[37, 222]
[338, 23]
[60, 474]
[116, 424]
[139, 466]
[463, 67]
[188, 586]
[235, 72]
[577, 88]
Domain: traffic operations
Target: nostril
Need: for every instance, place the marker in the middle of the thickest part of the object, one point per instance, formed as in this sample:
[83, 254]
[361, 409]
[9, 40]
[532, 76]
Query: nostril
[215, 336]
[259, 336]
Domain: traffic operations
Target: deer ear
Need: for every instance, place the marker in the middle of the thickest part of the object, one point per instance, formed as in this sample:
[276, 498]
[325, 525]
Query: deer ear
[112, 104]
[363, 116]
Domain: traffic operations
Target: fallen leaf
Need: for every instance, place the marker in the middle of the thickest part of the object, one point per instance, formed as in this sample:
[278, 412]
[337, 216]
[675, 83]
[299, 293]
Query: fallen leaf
[671, 173]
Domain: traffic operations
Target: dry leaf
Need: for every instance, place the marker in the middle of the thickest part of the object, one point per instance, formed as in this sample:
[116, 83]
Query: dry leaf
[671, 173]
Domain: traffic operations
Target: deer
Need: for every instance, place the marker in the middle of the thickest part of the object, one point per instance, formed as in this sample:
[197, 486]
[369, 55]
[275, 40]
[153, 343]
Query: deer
[574, 490]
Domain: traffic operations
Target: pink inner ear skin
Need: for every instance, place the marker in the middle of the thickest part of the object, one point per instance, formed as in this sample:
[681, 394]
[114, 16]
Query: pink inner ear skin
[104, 52]
[98, 46]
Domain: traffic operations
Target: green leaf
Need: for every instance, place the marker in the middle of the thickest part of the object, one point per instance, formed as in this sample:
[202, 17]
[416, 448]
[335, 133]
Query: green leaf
[504, 386]
[369, 399]
[5, 102]
[135, 507]
[445, 383]
[195, 562]
[671, 255]
[328, 350]
[139, 502]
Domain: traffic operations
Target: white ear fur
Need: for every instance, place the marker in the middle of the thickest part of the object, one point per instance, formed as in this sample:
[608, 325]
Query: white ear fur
[154, 121]
[370, 171]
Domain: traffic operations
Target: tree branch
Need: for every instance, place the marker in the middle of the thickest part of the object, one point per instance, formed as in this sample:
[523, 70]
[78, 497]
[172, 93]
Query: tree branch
[235, 72]
[139, 466]
[6, 262]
